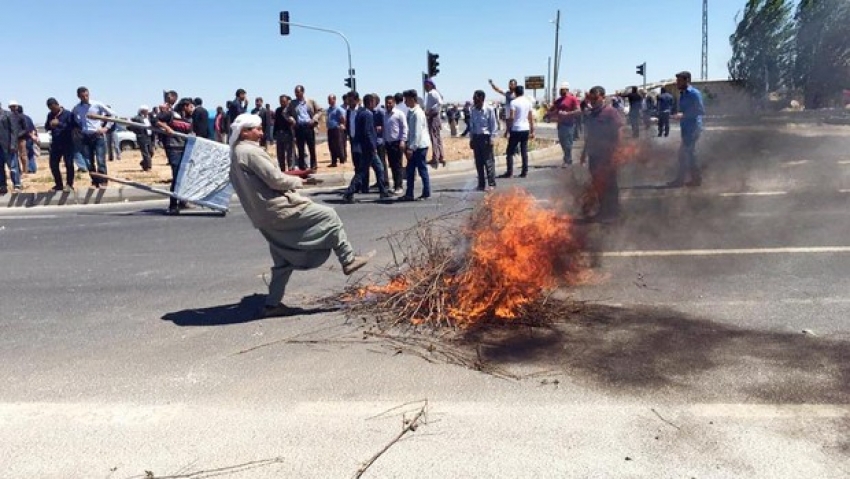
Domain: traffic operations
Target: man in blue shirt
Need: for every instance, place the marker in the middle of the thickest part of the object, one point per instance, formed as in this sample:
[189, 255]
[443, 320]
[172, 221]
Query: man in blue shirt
[335, 124]
[689, 113]
[665, 108]
[93, 140]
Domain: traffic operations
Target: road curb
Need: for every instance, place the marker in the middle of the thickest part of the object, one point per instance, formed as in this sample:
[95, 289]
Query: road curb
[127, 194]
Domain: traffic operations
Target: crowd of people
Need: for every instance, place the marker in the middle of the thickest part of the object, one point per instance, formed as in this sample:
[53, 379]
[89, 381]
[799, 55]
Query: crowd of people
[391, 138]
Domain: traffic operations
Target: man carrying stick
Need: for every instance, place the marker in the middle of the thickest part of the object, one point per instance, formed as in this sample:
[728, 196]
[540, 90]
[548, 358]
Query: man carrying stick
[93, 139]
[300, 233]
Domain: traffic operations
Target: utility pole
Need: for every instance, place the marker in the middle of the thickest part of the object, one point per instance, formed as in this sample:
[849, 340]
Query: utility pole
[548, 78]
[284, 30]
[557, 62]
[703, 74]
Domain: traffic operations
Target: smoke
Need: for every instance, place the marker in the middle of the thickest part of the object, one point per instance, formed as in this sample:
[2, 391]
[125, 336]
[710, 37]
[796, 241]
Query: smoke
[791, 165]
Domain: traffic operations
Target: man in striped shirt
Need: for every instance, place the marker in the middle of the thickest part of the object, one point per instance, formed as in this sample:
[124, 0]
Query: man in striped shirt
[395, 137]
[483, 127]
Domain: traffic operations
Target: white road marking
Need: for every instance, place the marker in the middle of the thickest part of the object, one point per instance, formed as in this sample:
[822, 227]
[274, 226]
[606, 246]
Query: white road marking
[736, 303]
[844, 162]
[33, 217]
[794, 163]
[724, 252]
[844, 190]
[754, 193]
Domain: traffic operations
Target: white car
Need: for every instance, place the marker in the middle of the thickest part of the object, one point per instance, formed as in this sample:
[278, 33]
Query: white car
[126, 138]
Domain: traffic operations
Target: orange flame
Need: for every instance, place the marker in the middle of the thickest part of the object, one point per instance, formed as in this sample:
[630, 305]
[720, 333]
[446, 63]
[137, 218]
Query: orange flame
[515, 252]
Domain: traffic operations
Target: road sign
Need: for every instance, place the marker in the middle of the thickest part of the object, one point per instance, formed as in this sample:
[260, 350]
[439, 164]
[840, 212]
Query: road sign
[534, 82]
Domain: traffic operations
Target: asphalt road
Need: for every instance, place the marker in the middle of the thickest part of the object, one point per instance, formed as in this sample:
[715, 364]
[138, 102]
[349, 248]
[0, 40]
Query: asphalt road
[129, 344]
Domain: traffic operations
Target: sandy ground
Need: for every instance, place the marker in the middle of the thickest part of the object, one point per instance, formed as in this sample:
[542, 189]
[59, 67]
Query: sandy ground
[128, 167]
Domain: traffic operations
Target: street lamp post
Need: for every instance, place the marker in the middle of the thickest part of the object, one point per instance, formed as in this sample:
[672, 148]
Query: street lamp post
[557, 58]
[328, 30]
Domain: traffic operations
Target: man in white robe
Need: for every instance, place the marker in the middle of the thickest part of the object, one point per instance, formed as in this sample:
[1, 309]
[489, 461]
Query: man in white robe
[301, 234]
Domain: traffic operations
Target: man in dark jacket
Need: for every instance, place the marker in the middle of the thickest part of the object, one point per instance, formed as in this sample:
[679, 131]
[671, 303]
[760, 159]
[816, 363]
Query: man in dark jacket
[20, 133]
[144, 137]
[171, 121]
[60, 124]
[366, 138]
[284, 138]
[201, 120]
[9, 129]
[237, 106]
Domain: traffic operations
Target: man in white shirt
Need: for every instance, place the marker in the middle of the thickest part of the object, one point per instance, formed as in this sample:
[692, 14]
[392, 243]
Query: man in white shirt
[418, 142]
[433, 106]
[522, 128]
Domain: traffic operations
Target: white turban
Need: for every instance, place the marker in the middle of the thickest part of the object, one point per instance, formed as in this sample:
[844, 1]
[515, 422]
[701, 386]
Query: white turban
[245, 120]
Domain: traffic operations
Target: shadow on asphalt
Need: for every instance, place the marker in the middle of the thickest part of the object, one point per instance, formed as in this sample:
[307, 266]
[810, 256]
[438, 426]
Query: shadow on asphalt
[245, 311]
[645, 350]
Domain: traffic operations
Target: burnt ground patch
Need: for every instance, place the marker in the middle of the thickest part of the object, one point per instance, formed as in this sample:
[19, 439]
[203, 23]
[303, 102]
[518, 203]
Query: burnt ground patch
[644, 350]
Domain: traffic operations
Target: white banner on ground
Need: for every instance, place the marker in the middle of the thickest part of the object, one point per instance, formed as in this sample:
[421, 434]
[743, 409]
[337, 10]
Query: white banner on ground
[204, 176]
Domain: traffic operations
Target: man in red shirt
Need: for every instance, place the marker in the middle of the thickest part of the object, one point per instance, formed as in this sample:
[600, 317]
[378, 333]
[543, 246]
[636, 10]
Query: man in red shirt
[602, 138]
[567, 112]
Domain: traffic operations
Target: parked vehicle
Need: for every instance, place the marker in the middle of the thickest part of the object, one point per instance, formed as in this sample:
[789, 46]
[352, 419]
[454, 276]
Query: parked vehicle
[126, 139]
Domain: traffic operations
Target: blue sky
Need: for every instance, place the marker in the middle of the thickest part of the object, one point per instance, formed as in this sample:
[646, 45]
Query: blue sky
[127, 51]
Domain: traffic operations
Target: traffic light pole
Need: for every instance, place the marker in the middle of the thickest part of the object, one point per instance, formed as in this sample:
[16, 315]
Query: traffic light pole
[328, 30]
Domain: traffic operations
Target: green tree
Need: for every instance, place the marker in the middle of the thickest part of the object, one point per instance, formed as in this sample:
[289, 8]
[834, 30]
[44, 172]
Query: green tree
[822, 43]
[762, 46]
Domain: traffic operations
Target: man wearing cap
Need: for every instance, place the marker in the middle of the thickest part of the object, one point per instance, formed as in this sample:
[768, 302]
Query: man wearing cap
[60, 124]
[689, 113]
[567, 111]
[433, 106]
[301, 234]
[92, 139]
[10, 129]
[143, 136]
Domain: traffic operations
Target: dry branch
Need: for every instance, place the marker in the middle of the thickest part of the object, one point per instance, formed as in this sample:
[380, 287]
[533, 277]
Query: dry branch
[409, 426]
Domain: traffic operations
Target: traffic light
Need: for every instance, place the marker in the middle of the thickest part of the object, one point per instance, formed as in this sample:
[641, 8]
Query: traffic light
[641, 69]
[351, 83]
[284, 23]
[433, 64]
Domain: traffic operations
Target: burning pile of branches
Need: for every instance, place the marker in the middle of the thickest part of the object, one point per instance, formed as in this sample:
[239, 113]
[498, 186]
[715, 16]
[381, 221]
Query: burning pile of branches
[499, 265]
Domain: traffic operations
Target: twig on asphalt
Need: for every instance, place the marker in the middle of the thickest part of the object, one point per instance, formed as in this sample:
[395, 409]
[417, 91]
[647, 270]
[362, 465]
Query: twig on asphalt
[396, 408]
[220, 471]
[294, 339]
[409, 426]
[662, 418]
